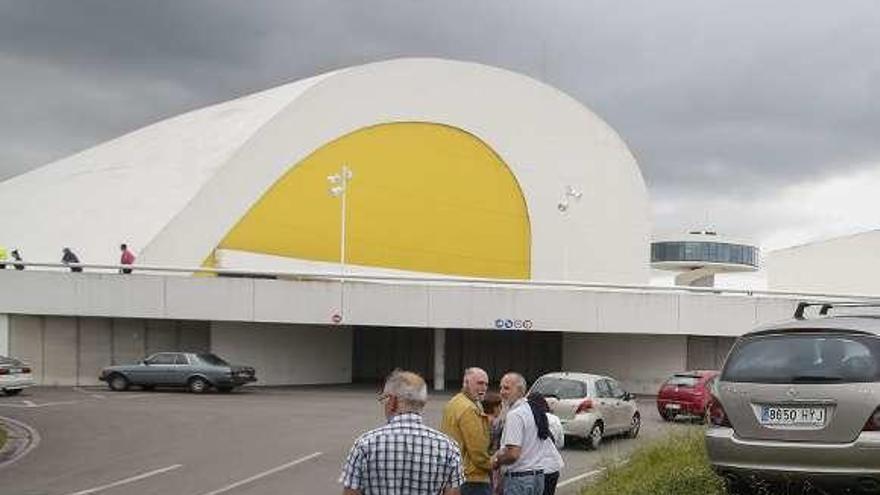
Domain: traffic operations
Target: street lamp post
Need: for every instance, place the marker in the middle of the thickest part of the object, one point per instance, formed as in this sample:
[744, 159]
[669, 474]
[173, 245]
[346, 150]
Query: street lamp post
[339, 189]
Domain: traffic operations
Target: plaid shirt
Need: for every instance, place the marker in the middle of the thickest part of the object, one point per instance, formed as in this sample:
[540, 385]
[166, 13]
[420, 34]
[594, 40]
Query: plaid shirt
[404, 457]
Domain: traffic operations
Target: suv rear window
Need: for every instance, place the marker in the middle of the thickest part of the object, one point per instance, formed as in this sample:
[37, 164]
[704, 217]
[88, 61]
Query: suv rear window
[805, 358]
[560, 388]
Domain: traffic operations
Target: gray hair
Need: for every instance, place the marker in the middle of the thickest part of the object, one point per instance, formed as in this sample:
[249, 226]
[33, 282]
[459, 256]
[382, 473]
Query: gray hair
[409, 388]
[468, 372]
[519, 381]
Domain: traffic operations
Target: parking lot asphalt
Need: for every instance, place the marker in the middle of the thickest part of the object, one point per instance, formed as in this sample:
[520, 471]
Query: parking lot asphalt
[256, 441]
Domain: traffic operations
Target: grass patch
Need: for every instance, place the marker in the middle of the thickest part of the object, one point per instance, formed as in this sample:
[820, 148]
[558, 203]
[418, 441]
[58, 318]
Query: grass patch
[676, 465]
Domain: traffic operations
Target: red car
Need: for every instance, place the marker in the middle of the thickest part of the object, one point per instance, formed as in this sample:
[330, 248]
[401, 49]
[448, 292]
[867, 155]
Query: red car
[685, 393]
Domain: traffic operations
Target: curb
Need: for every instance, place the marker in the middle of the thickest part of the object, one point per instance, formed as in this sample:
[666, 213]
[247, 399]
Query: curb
[20, 440]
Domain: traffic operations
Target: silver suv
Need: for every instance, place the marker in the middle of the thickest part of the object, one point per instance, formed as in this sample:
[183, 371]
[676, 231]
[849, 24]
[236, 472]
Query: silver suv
[800, 401]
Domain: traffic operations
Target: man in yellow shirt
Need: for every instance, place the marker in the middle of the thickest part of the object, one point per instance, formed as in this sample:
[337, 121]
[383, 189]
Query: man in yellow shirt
[464, 421]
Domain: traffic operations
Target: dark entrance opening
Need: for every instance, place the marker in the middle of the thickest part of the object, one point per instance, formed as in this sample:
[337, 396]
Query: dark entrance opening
[377, 351]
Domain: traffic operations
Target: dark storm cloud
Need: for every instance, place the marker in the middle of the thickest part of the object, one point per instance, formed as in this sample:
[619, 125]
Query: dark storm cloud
[732, 99]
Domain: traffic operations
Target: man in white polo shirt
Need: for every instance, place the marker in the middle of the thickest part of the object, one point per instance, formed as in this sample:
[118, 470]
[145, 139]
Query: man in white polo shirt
[521, 449]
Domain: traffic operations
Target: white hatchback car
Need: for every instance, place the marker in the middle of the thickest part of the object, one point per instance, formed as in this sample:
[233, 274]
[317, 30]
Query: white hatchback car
[591, 407]
[15, 376]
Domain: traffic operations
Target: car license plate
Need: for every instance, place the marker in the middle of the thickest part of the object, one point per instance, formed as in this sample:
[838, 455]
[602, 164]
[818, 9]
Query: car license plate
[673, 406]
[792, 416]
[14, 370]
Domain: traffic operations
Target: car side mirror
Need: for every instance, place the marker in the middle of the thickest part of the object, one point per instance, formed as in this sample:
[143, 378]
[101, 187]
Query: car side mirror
[628, 396]
[145, 362]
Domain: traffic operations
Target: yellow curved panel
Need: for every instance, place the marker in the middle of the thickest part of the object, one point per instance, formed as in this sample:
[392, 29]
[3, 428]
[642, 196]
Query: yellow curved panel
[424, 197]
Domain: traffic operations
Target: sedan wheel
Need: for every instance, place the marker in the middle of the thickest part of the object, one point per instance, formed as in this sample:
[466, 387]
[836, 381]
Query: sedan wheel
[634, 426]
[198, 385]
[118, 383]
[594, 438]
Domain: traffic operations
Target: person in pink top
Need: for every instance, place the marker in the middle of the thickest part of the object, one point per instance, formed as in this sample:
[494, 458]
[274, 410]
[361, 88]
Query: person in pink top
[127, 258]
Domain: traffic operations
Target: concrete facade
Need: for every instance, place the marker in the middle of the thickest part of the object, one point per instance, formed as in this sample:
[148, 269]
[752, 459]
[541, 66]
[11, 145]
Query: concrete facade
[846, 265]
[285, 327]
[286, 354]
[441, 304]
[72, 350]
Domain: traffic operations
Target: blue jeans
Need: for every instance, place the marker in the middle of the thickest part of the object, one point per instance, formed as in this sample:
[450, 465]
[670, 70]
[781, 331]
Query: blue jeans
[532, 484]
[475, 488]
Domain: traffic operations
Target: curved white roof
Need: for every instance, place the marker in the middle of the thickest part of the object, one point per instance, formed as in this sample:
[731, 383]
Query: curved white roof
[172, 190]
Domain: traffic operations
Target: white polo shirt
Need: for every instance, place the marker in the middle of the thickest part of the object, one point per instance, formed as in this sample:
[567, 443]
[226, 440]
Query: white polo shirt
[520, 430]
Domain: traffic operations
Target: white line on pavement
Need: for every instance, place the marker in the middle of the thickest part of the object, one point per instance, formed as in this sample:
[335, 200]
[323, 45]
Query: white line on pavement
[263, 474]
[127, 480]
[29, 404]
[34, 439]
[580, 477]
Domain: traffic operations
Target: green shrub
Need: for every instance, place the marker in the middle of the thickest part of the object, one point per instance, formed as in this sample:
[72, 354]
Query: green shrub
[676, 465]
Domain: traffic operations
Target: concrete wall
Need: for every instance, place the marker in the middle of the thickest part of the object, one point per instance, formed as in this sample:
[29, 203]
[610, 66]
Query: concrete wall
[72, 350]
[639, 362]
[842, 265]
[287, 354]
[397, 304]
[4, 334]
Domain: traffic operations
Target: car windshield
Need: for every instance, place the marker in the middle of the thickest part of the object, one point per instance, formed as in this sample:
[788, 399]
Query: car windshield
[683, 381]
[561, 388]
[805, 358]
[213, 359]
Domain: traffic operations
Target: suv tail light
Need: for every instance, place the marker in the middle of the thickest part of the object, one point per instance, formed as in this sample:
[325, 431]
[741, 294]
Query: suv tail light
[873, 423]
[25, 370]
[584, 406]
[717, 415]
[4, 371]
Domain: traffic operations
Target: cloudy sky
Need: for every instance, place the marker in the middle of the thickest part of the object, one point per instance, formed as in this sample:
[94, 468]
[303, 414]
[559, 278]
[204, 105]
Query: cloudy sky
[759, 119]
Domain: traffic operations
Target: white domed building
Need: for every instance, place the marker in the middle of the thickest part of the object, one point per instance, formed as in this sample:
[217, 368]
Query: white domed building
[458, 169]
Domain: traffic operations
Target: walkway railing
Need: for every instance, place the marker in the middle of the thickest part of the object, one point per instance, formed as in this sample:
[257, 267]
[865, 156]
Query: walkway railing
[105, 269]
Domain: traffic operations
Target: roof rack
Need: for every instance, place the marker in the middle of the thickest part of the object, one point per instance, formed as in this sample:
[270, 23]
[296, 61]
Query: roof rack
[827, 306]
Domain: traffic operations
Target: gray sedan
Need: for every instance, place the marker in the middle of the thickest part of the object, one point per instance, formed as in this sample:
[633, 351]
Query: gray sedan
[196, 371]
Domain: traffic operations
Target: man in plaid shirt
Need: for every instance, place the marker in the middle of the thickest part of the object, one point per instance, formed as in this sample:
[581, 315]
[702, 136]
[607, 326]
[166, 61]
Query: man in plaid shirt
[404, 457]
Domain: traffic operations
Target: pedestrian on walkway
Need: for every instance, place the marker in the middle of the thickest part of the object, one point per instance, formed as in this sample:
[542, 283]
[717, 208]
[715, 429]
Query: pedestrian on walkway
[521, 448]
[16, 256]
[127, 258]
[404, 457]
[69, 257]
[464, 422]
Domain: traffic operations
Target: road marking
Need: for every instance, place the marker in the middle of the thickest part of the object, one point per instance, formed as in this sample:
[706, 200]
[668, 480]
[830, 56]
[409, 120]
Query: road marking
[589, 474]
[580, 477]
[26, 404]
[263, 474]
[33, 436]
[127, 480]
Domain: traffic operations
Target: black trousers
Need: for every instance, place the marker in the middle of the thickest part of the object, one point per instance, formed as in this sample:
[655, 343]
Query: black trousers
[550, 480]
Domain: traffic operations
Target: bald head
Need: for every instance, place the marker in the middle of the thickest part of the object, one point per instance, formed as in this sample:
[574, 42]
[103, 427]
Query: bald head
[475, 383]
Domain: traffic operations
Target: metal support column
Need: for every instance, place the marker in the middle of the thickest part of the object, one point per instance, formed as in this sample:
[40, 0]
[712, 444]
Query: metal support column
[439, 359]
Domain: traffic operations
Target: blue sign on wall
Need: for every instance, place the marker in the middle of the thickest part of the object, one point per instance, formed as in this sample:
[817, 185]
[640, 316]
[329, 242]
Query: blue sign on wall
[509, 324]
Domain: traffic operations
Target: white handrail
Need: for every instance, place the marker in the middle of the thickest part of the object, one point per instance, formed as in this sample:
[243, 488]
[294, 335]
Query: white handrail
[445, 280]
